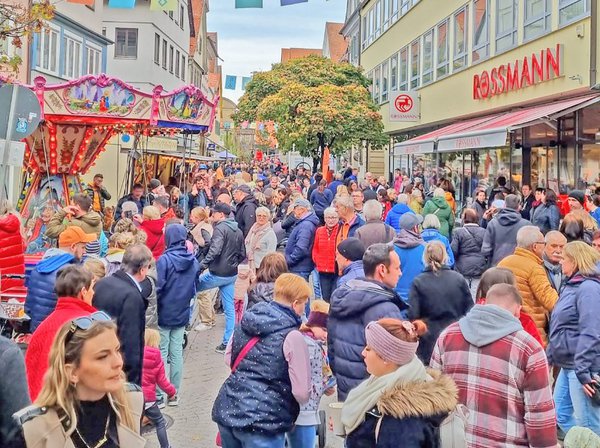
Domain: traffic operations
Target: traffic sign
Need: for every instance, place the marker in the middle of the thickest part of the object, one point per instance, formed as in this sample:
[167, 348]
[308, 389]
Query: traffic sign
[27, 112]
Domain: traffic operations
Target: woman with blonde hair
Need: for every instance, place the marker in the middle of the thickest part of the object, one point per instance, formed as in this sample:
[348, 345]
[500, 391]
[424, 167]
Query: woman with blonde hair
[439, 296]
[12, 251]
[201, 232]
[401, 403]
[342, 190]
[85, 401]
[574, 339]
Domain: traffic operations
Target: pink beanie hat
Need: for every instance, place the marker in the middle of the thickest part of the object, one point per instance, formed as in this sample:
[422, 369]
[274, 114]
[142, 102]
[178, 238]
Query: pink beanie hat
[389, 347]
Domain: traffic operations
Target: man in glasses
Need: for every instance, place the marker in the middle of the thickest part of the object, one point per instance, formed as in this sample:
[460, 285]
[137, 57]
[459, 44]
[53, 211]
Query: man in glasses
[121, 296]
[539, 297]
[41, 298]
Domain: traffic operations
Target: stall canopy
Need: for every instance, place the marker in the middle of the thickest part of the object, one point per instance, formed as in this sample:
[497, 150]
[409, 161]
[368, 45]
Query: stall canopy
[492, 130]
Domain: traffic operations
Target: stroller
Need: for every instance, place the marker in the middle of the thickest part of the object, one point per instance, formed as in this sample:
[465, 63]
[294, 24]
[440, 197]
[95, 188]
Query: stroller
[14, 322]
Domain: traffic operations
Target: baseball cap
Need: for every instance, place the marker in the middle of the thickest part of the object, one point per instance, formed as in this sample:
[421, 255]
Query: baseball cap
[351, 248]
[409, 220]
[203, 167]
[73, 235]
[300, 202]
[220, 207]
[243, 188]
[154, 183]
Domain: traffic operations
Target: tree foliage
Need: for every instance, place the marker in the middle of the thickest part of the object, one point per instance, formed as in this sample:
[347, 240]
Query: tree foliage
[314, 102]
[18, 22]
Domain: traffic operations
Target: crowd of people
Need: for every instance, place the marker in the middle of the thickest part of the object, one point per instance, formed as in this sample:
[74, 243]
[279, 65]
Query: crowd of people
[433, 324]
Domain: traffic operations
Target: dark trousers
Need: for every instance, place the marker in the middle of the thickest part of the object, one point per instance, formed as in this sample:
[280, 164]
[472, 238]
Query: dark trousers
[155, 416]
[328, 282]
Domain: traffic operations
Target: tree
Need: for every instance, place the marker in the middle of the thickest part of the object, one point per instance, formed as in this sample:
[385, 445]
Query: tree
[315, 103]
[18, 22]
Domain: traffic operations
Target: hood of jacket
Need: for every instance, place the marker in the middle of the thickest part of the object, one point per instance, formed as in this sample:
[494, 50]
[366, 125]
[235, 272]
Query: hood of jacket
[229, 222]
[508, 217]
[435, 398]
[408, 239]
[53, 259]
[345, 302]
[154, 226]
[485, 324]
[354, 266]
[266, 318]
[440, 202]
[9, 223]
[432, 234]
[93, 219]
[176, 253]
[401, 209]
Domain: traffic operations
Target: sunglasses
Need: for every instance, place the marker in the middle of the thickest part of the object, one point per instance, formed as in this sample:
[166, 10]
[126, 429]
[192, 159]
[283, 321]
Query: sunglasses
[85, 322]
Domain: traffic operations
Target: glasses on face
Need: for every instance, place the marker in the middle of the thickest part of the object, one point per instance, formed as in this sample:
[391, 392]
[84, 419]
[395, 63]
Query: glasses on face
[85, 322]
[262, 216]
[333, 218]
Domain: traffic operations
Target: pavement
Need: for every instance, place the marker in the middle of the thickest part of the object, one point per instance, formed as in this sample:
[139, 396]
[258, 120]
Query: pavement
[203, 374]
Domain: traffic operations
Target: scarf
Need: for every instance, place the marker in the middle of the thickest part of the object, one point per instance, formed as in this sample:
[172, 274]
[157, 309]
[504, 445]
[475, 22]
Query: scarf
[255, 235]
[366, 395]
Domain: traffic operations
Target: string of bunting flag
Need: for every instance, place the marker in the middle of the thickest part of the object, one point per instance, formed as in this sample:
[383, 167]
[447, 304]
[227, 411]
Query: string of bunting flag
[171, 5]
[259, 3]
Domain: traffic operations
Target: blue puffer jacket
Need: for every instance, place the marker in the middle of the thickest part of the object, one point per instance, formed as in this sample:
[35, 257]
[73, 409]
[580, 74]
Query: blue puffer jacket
[352, 271]
[258, 395]
[353, 306]
[177, 279]
[298, 251]
[41, 298]
[410, 248]
[394, 215]
[574, 341]
[429, 235]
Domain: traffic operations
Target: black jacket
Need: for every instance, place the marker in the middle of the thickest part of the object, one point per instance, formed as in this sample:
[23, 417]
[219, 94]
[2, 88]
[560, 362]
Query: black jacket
[245, 214]
[120, 297]
[439, 298]
[140, 204]
[527, 207]
[466, 246]
[227, 249]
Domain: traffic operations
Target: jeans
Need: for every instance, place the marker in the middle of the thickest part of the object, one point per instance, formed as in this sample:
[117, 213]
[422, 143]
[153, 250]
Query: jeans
[573, 406]
[233, 438]
[316, 276]
[157, 419]
[171, 349]
[226, 287]
[328, 282]
[302, 437]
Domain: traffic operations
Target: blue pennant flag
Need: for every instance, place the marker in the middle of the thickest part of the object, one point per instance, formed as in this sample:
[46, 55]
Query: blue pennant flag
[248, 4]
[245, 81]
[126, 4]
[230, 82]
[292, 2]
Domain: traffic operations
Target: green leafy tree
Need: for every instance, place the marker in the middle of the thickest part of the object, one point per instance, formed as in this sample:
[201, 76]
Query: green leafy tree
[315, 103]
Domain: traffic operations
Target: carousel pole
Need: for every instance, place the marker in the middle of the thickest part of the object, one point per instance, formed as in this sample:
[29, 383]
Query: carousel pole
[7, 143]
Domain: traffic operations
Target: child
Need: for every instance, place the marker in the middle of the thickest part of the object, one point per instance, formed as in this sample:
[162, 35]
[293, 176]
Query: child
[323, 382]
[153, 374]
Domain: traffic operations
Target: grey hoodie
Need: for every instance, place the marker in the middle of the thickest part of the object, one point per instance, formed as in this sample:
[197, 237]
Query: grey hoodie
[485, 324]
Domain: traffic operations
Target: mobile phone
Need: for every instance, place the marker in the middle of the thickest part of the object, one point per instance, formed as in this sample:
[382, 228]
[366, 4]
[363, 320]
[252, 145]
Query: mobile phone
[129, 214]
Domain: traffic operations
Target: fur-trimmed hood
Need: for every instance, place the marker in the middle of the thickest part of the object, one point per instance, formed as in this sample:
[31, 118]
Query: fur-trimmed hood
[420, 398]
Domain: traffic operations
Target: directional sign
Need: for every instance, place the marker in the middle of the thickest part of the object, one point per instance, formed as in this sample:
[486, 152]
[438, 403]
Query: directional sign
[27, 113]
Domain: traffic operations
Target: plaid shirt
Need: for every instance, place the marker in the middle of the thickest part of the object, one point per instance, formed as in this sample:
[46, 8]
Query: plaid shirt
[505, 386]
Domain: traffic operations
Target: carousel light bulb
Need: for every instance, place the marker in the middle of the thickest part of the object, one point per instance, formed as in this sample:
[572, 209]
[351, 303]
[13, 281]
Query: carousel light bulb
[52, 138]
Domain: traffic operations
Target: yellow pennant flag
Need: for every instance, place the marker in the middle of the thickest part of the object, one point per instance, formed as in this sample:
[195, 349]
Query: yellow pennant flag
[163, 5]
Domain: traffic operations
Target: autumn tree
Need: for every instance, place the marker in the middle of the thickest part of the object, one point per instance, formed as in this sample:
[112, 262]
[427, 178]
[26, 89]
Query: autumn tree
[20, 21]
[315, 103]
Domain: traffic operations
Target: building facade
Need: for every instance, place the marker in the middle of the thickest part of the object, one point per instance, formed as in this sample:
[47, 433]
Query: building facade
[494, 87]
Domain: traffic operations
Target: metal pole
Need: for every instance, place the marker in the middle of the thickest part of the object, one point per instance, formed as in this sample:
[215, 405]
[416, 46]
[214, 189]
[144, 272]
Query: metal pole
[9, 136]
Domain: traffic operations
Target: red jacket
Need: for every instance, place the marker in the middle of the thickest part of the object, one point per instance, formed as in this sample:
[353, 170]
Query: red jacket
[153, 374]
[12, 260]
[323, 252]
[36, 356]
[527, 322]
[155, 230]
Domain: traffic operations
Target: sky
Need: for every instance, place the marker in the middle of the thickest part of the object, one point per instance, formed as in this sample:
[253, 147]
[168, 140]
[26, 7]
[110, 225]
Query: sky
[251, 39]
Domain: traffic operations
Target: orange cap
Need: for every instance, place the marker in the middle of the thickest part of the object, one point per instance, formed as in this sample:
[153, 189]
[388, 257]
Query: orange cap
[73, 235]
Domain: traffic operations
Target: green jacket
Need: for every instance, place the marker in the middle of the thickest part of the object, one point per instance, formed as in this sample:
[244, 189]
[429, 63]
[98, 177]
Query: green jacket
[439, 207]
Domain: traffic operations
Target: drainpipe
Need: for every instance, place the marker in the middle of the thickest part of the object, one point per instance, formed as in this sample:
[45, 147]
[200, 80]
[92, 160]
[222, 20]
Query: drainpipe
[594, 44]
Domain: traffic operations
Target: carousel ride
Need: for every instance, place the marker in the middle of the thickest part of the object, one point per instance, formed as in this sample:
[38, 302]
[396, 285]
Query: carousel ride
[79, 118]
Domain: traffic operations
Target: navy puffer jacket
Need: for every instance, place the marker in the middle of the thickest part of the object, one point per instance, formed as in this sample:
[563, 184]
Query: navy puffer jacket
[353, 306]
[41, 298]
[258, 395]
[177, 279]
[298, 251]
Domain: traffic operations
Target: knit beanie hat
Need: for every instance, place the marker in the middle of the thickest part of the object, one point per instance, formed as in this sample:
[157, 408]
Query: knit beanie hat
[578, 195]
[319, 313]
[351, 248]
[92, 249]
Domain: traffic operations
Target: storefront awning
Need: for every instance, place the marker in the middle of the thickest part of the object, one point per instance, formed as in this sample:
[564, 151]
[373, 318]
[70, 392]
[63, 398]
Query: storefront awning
[494, 131]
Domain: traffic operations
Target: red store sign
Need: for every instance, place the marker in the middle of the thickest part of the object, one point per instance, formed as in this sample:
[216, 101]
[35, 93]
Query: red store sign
[540, 67]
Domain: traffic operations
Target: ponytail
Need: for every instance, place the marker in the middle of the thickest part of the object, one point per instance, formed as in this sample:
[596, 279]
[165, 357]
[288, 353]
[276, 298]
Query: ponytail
[435, 256]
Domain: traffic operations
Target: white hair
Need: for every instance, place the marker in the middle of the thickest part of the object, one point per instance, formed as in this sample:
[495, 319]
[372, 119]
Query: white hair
[439, 193]
[431, 222]
[345, 201]
[402, 199]
[416, 193]
[372, 210]
[527, 236]
[263, 210]
[330, 211]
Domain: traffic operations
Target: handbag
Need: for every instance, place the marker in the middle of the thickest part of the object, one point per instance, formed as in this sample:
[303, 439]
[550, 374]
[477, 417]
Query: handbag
[240, 357]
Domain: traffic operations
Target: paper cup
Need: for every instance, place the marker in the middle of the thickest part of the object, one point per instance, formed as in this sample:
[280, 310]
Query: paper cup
[335, 416]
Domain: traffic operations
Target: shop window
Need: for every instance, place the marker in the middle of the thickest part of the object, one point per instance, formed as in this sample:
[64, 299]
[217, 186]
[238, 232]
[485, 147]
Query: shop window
[385, 73]
[377, 85]
[403, 69]
[481, 30]
[488, 164]
[156, 48]
[506, 24]
[572, 10]
[428, 57]
[415, 64]
[423, 166]
[589, 163]
[537, 18]
[460, 39]
[47, 54]
[72, 51]
[394, 73]
[516, 167]
[94, 61]
[126, 43]
[442, 63]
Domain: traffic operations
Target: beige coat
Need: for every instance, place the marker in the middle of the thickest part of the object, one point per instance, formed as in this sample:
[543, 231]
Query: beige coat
[45, 430]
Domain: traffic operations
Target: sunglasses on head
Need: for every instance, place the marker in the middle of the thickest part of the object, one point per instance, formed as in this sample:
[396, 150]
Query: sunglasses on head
[85, 322]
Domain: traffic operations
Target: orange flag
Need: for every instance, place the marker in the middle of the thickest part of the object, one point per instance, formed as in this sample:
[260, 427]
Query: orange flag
[83, 2]
[325, 164]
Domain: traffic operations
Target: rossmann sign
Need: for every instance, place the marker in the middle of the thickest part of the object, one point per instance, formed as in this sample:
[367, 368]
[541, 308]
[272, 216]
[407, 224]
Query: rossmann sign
[535, 69]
